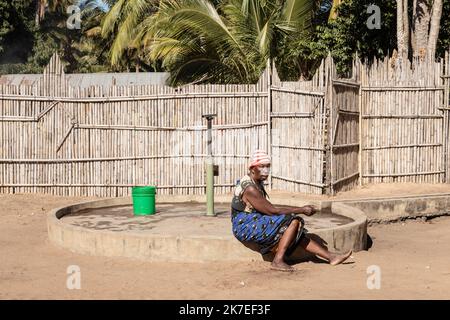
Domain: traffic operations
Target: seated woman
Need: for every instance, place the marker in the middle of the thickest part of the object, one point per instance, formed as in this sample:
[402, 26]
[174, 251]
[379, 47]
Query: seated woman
[279, 229]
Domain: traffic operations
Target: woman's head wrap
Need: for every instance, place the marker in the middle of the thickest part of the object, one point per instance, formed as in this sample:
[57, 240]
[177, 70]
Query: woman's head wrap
[259, 157]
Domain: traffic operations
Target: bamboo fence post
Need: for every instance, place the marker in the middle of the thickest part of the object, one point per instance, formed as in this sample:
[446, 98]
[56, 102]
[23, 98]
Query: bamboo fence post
[268, 74]
[446, 110]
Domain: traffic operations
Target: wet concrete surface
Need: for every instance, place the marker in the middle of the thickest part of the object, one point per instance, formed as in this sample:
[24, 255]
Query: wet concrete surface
[179, 218]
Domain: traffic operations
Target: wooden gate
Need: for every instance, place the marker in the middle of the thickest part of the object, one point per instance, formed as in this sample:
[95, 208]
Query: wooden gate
[344, 135]
[298, 123]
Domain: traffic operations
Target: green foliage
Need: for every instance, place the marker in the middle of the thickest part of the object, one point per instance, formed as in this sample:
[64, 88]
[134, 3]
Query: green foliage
[444, 34]
[300, 52]
[78, 51]
[119, 27]
[16, 23]
[345, 35]
[28, 47]
[197, 42]
[222, 41]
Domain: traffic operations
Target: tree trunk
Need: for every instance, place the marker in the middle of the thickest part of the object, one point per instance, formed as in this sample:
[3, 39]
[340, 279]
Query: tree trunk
[402, 28]
[406, 27]
[40, 11]
[421, 21]
[413, 33]
[36, 17]
[424, 31]
[333, 11]
[434, 27]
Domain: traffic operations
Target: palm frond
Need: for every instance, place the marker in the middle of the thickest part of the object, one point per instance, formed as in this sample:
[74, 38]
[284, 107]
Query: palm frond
[298, 12]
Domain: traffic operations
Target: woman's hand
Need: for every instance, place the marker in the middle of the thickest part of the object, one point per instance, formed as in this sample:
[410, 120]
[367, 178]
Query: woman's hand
[308, 210]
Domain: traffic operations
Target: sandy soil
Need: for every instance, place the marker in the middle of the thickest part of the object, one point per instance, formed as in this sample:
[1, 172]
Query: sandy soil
[413, 258]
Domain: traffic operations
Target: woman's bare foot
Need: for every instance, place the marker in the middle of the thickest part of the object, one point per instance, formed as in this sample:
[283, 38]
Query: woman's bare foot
[339, 258]
[281, 266]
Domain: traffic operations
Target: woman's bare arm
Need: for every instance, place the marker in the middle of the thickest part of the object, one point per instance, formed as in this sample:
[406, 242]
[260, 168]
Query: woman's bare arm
[262, 205]
[285, 208]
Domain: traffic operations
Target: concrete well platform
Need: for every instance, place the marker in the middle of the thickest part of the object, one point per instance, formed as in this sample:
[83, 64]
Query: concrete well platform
[180, 231]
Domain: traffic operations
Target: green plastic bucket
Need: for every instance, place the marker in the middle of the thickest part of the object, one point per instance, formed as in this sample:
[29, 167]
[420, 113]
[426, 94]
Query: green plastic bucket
[143, 200]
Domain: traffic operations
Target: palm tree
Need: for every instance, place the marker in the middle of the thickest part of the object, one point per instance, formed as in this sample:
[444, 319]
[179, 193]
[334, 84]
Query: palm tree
[232, 43]
[120, 24]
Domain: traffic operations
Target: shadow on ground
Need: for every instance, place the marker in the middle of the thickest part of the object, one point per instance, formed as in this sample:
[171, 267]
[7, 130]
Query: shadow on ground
[300, 255]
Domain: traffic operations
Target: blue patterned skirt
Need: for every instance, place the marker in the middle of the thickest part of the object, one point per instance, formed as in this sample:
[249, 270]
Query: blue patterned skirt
[264, 230]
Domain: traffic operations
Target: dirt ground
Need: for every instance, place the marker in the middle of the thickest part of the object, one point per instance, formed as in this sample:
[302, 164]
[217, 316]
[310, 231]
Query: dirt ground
[413, 256]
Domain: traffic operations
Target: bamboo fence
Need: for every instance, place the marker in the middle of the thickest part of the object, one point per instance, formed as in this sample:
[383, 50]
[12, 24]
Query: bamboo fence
[387, 122]
[404, 124]
[91, 141]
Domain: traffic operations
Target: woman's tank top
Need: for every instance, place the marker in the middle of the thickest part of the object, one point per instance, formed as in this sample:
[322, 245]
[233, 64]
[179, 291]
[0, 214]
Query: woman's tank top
[237, 203]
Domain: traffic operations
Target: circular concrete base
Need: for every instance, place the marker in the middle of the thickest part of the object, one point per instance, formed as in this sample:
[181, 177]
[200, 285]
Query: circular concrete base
[181, 232]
